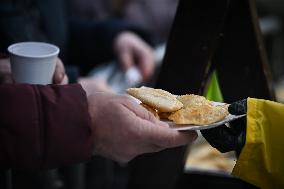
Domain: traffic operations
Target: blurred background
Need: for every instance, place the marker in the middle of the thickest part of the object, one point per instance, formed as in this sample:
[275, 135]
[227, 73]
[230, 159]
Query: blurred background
[155, 18]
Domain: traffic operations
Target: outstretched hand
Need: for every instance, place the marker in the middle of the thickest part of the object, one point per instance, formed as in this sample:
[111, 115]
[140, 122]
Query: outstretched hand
[123, 129]
[230, 138]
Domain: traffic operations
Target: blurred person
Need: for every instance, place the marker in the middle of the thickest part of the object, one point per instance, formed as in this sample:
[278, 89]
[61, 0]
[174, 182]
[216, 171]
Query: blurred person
[94, 42]
[155, 17]
[257, 139]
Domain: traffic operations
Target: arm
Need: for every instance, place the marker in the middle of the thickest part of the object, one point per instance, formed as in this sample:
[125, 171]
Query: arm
[49, 126]
[43, 126]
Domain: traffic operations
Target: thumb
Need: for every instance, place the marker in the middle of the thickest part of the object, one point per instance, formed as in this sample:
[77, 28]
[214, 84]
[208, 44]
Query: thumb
[59, 72]
[167, 137]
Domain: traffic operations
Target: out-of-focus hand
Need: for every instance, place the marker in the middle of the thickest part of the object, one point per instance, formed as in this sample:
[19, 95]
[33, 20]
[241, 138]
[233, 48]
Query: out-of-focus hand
[94, 85]
[123, 129]
[60, 76]
[5, 71]
[132, 50]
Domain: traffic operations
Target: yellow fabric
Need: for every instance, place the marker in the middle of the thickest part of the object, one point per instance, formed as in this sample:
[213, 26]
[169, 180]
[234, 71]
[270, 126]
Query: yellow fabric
[261, 161]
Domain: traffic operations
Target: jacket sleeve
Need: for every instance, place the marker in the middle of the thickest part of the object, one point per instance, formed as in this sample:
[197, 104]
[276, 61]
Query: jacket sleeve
[43, 126]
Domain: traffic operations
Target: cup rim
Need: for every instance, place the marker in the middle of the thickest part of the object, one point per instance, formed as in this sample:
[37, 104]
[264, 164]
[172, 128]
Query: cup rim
[56, 49]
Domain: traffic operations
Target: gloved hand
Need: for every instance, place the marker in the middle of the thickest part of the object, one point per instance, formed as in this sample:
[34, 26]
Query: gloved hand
[232, 137]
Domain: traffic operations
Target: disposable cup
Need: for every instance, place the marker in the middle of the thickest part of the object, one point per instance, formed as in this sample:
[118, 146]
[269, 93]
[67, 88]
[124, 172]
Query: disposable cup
[33, 62]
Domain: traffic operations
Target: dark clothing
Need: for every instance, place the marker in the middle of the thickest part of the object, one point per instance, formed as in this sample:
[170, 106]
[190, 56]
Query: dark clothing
[43, 126]
[155, 17]
[81, 42]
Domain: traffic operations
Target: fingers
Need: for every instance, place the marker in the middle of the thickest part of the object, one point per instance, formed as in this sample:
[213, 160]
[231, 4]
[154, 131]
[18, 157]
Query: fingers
[138, 110]
[166, 137]
[65, 80]
[125, 58]
[132, 50]
[60, 76]
[238, 107]
[156, 131]
[146, 64]
[221, 138]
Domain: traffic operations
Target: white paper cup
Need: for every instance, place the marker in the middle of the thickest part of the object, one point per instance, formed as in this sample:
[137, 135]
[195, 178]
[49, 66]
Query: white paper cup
[33, 62]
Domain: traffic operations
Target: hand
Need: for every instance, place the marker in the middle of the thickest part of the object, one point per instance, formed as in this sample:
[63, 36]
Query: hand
[130, 50]
[229, 138]
[94, 85]
[60, 76]
[5, 71]
[123, 129]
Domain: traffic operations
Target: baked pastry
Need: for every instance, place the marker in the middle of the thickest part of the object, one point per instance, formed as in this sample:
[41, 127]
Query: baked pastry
[159, 99]
[199, 115]
[152, 110]
[184, 109]
[191, 100]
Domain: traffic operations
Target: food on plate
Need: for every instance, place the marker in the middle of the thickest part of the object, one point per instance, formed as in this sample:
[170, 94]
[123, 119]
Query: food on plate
[191, 100]
[161, 100]
[199, 115]
[150, 109]
[164, 115]
[184, 109]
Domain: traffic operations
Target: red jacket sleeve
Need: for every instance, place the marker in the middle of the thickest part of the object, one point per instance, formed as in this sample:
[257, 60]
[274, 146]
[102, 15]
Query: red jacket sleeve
[43, 126]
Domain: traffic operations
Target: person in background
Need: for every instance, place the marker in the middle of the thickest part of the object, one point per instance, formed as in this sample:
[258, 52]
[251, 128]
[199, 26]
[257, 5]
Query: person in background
[94, 42]
[155, 17]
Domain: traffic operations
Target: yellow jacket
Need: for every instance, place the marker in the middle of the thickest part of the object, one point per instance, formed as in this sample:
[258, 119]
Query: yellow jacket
[261, 161]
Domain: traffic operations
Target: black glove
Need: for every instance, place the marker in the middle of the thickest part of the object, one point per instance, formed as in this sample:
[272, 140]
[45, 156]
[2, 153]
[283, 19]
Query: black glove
[230, 138]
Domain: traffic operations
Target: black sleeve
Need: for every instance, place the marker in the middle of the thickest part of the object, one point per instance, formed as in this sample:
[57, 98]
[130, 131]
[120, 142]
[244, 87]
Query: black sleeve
[18, 23]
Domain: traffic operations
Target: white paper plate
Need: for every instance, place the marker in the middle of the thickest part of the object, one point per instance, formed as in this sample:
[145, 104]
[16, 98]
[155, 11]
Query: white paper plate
[227, 119]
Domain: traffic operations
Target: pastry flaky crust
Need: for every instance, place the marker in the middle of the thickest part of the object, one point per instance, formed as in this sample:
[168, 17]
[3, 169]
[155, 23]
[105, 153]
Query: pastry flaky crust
[185, 109]
[159, 99]
[200, 115]
[191, 100]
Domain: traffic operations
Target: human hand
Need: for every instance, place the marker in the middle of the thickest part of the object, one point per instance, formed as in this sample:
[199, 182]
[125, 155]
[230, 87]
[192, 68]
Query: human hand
[60, 76]
[94, 85]
[231, 138]
[123, 129]
[132, 50]
[5, 71]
